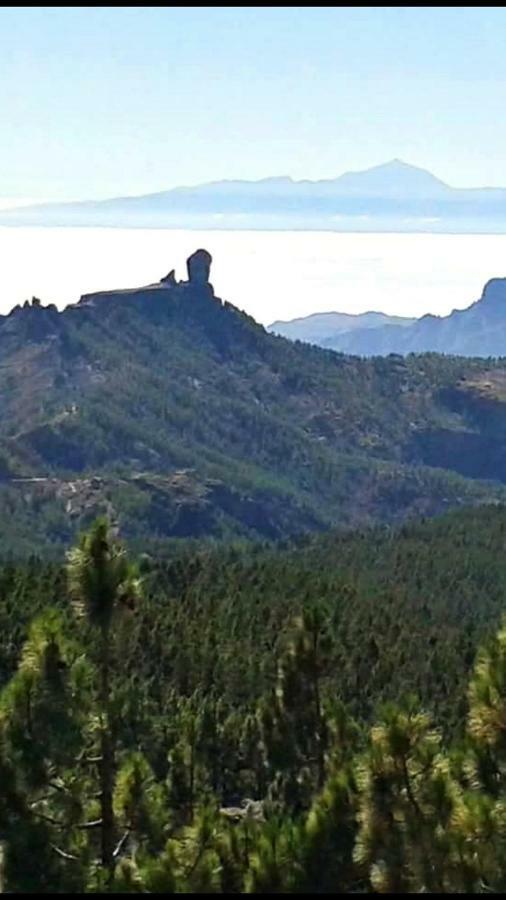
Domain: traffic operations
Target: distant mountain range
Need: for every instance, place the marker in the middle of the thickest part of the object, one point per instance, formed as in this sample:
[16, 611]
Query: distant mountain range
[328, 329]
[391, 197]
[479, 330]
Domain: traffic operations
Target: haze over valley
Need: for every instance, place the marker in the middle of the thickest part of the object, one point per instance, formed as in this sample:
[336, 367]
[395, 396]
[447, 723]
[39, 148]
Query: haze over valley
[271, 275]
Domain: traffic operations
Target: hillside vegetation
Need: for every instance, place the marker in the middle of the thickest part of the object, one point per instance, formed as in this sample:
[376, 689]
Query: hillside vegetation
[179, 416]
[245, 719]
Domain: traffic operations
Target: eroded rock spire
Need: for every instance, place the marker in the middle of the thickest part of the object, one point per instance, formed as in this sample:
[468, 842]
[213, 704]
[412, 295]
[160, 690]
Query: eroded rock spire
[199, 267]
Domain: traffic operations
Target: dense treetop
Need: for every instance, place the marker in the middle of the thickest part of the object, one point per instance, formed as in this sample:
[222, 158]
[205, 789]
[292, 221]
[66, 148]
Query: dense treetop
[316, 716]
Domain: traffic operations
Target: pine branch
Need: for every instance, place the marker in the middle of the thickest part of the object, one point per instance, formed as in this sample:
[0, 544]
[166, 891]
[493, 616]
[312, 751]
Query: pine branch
[63, 854]
[95, 823]
[40, 800]
[86, 759]
[59, 787]
[120, 844]
[49, 819]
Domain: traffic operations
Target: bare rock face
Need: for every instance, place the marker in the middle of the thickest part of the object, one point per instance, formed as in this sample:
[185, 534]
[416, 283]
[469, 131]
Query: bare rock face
[170, 279]
[249, 809]
[199, 267]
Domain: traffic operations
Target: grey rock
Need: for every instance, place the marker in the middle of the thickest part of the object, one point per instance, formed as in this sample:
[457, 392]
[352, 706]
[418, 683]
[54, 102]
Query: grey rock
[170, 279]
[199, 267]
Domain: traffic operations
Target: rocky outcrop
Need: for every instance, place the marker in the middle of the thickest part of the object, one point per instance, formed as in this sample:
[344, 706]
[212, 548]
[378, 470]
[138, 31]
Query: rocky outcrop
[149, 295]
[249, 809]
[199, 267]
[170, 279]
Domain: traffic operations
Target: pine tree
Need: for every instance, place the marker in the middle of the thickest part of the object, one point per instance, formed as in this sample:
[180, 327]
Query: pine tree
[40, 735]
[330, 828]
[276, 858]
[293, 721]
[103, 584]
[140, 804]
[479, 823]
[404, 805]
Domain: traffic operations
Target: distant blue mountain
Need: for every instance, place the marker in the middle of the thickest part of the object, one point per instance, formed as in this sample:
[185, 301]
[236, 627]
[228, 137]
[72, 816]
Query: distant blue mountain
[390, 197]
[479, 330]
[328, 328]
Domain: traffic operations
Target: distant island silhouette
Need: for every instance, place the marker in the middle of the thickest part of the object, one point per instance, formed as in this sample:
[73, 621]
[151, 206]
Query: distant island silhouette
[392, 197]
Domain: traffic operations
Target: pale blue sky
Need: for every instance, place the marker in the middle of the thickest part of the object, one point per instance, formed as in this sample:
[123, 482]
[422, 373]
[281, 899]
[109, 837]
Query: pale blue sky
[98, 102]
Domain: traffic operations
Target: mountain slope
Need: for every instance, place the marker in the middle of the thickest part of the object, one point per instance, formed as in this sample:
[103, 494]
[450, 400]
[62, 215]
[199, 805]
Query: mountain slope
[394, 196]
[479, 330]
[181, 416]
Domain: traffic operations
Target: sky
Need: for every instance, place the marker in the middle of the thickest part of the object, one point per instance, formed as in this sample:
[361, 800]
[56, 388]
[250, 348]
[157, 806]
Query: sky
[100, 102]
[270, 274]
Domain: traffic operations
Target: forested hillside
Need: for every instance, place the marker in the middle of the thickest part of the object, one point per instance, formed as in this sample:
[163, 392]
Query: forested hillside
[256, 718]
[179, 416]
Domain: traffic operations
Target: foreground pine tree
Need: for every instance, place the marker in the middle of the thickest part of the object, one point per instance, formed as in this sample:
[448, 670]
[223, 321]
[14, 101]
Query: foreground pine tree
[198, 793]
[103, 586]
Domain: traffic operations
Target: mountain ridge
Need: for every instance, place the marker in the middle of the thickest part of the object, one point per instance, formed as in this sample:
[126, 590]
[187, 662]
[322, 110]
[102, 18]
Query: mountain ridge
[180, 416]
[392, 196]
[323, 328]
[478, 330]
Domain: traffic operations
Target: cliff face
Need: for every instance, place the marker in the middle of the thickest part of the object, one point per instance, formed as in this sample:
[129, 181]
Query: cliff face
[180, 416]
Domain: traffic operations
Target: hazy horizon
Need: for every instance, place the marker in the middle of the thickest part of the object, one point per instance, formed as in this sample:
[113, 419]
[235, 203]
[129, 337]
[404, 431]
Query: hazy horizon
[270, 275]
[7, 202]
[109, 101]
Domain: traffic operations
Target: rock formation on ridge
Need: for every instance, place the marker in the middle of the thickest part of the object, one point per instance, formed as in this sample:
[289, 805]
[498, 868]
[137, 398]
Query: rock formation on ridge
[199, 267]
